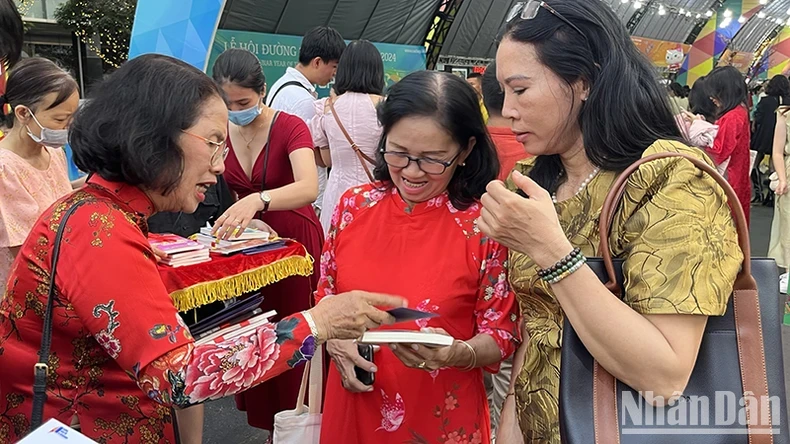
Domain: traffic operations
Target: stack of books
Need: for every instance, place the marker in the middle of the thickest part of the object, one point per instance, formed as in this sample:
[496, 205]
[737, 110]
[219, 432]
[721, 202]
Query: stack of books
[248, 234]
[251, 240]
[180, 251]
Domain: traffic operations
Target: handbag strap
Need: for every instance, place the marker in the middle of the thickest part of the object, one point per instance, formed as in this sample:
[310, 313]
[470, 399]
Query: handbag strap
[362, 156]
[746, 307]
[41, 368]
[316, 380]
[266, 151]
[314, 377]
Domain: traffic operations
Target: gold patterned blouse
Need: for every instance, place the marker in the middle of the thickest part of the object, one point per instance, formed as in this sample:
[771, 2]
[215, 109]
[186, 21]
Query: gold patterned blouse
[678, 241]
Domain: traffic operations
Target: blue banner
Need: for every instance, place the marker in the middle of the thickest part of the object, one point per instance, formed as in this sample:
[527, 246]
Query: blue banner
[183, 29]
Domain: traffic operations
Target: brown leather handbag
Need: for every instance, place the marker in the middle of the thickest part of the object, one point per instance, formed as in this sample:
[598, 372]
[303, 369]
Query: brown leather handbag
[740, 360]
[364, 159]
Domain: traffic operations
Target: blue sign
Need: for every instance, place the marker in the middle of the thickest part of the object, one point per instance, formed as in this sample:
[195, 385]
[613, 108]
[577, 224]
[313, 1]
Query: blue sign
[183, 29]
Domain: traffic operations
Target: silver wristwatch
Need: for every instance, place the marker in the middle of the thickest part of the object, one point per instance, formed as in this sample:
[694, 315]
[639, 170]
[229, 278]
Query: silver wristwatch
[266, 198]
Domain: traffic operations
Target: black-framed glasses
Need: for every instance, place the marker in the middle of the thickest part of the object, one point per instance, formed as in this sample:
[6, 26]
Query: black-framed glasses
[434, 167]
[529, 10]
[218, 147]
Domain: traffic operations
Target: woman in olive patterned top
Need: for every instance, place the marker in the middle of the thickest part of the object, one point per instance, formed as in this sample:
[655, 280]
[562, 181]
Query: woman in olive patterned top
[585, 102]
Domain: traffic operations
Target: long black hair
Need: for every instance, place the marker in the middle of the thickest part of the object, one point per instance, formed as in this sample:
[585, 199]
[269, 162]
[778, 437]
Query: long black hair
[454, 105]
[727, 85]
[11, 33]
[779, 86]
[240, 67]
[360, 69]
[677, 90]
[700, 103]
[30, 81]
[626, 111]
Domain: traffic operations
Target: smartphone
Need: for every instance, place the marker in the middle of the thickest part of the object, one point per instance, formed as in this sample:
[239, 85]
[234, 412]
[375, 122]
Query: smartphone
[364, 376]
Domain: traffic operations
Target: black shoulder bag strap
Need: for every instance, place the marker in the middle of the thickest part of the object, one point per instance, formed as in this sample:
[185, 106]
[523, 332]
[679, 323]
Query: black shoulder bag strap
[41, 368]
[266, 151]
[291, 83]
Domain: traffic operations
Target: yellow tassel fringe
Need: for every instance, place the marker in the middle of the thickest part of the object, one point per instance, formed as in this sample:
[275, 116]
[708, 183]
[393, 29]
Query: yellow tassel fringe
[205, 293]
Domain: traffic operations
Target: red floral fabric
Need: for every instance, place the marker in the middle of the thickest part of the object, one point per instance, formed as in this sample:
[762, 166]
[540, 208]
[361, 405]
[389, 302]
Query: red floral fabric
[116, 331]
[732, 142]
[434, 255]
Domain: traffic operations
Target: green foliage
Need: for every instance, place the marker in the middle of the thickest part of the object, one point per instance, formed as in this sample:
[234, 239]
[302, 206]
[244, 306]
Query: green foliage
[109, 20]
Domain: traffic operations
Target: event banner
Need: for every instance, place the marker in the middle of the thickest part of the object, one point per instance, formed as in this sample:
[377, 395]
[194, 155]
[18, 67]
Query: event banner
[663, 54]
[277, 52]
[740, 60]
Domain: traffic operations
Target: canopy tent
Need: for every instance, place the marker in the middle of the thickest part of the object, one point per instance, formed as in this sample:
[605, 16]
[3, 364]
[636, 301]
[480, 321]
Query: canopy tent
[477, 24]
[386, 21]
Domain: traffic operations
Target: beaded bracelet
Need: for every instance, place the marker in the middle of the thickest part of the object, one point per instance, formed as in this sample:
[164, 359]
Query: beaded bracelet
[564, 268]
[572, 257]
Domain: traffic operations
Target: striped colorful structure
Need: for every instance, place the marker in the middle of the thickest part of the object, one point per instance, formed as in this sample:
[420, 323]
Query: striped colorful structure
[779, 54]
[714, 39]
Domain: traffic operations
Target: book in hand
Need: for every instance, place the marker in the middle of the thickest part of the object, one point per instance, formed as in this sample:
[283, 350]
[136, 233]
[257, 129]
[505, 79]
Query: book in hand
[406, 337]
[248, 234]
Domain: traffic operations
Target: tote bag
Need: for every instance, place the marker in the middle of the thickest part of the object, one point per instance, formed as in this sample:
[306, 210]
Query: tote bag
[740, 360]
[303, 424]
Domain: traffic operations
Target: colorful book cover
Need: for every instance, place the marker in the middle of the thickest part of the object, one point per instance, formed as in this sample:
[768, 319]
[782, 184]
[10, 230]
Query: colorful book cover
[172, 243]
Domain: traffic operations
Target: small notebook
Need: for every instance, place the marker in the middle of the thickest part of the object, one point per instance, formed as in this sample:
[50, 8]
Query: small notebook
[406, 337]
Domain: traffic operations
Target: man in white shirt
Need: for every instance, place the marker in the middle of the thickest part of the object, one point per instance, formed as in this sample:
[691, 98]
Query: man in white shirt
[294, 92]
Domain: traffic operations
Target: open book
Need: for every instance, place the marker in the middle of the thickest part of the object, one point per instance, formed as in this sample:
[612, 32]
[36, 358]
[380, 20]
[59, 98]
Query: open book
[406, 337]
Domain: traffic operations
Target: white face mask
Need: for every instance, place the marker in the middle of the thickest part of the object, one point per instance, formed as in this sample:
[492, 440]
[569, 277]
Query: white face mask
[49, 137]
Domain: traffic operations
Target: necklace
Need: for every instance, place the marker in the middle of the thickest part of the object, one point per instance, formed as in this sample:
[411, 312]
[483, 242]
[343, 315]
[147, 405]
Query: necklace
[255, 134]
[581, 187]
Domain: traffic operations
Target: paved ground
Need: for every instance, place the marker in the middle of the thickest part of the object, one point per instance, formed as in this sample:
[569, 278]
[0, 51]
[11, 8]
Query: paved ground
[226, 425]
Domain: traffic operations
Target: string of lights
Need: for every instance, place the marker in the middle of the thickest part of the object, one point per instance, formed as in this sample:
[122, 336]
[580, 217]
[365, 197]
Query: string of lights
[24, 6]
[662, 9]
[110, 21]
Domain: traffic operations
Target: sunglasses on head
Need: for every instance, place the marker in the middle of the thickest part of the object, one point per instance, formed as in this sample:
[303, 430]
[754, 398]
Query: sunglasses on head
[529, 10]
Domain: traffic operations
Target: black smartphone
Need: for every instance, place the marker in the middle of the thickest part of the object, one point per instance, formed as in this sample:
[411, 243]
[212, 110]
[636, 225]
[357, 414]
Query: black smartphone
[364, 376]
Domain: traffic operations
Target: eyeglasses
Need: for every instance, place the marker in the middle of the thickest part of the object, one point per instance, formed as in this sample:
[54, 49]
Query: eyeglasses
[218, 147]
[434, 167]
[529, 10]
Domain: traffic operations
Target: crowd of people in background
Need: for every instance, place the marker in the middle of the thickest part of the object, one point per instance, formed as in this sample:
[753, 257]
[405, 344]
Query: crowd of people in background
[476, 199]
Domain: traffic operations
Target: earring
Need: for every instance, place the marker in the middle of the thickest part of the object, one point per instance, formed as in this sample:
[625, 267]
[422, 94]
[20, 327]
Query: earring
[463, 164]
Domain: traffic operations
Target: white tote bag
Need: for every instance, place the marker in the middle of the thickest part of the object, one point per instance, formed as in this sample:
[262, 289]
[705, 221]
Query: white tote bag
[303, 424]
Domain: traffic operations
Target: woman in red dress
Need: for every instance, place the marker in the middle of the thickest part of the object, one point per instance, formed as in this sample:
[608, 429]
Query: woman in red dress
[415, 234]
[271, 167]
[120, 357]
[727, 88]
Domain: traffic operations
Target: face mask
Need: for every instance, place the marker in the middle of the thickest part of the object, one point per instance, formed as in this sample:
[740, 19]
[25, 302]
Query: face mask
[245, 116]
[49, 137]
